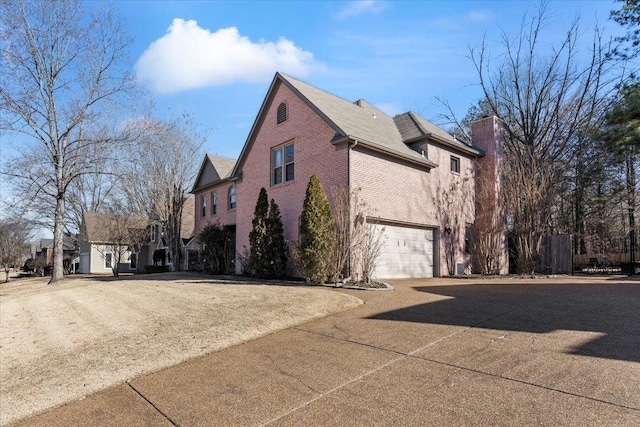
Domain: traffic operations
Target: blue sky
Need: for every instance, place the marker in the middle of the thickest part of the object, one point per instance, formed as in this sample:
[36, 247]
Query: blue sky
[216, 59]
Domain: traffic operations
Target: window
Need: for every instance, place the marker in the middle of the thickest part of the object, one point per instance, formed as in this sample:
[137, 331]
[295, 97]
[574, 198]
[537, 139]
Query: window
[108, 260]
[232, 197]
[204, 204]
[153, 234]
[282, 164]
[455, 164]
[214, 203]
[282, 113]
[133, 261]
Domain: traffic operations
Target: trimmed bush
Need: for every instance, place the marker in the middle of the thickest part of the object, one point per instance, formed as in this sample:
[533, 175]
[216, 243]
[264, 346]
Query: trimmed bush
[218, 249]
[258, 237]
[317, 234]
[276, 250]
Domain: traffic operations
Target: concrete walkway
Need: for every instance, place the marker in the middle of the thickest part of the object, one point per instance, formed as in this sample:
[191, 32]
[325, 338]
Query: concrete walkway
[433, 352]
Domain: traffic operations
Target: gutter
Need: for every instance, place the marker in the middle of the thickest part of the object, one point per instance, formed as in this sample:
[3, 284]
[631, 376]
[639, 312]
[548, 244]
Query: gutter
[213, 184]
[393, 153]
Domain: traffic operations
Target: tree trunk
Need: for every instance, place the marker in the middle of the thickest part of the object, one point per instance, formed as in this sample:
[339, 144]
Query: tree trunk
[631, 190]
[58, 239]
[631, 194]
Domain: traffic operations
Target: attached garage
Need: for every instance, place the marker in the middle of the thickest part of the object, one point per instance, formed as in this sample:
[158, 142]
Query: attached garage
[408, 252]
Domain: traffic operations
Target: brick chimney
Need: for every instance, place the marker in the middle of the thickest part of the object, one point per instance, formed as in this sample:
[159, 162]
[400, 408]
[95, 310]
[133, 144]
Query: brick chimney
[486, 134]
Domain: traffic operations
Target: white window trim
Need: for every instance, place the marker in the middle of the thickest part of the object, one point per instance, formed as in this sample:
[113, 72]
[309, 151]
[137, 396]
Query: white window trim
[451, 164]
[283, 172]
[214, 203]
[229, 197]
[203, 205]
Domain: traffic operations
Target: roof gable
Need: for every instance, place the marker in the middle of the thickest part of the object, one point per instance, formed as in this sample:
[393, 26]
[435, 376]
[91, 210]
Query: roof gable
[359, 121]
[213, 169]
[413, 127]
[351, 120]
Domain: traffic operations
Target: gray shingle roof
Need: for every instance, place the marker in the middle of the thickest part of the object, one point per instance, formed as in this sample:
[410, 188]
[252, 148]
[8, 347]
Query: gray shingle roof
[222, 170]
[100, 227]
[67, 243]
[412, 126]
[223, 165]
[359, 120]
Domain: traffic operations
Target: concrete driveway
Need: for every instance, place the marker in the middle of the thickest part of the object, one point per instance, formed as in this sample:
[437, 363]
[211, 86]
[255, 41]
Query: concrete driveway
[63, 342]
[434, 352]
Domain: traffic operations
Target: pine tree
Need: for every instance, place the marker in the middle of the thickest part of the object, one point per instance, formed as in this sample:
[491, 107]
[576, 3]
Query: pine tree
[276, 256]
[258, 236]
[316, 232]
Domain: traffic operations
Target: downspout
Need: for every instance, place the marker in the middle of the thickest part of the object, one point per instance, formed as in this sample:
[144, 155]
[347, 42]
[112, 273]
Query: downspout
[355, 142]
[349, 147]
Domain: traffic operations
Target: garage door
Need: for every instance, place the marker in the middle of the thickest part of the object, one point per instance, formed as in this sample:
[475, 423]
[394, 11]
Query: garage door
[407, 252]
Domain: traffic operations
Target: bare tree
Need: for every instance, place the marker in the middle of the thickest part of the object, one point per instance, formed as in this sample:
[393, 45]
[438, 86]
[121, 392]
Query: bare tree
[358, 245]
[161, 174]
[455, 210]
[344, 239]
[14, 235]
[544, 102]
[62, 72]
[91, 192]
[488, 232]
[373, 241]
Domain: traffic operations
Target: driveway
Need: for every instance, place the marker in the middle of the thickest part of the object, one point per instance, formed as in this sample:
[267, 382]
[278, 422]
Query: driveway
[63, 342]
[562, 351]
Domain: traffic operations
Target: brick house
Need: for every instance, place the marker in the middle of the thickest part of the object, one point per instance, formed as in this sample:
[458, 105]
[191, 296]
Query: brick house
[417, 181]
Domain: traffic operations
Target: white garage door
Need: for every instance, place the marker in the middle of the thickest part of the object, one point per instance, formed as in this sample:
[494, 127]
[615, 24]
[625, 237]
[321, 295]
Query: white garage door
[407, 252]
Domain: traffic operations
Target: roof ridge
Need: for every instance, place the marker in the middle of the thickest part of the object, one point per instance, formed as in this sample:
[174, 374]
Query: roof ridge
[355, 103]
[220, 157]
[413, 116]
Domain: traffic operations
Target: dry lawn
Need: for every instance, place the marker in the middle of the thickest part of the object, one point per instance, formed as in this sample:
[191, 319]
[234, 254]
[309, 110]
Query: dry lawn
[65, 341]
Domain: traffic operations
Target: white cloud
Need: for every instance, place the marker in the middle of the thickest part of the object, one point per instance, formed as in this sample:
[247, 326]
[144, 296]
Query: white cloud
[190, 57]
[360, 7]
[478, 16]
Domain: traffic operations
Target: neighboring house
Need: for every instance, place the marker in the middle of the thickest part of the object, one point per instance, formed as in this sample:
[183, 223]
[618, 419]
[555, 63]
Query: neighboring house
[215, 200]
[417, 181]
[105, 236]
[43, 250]
[101, 235]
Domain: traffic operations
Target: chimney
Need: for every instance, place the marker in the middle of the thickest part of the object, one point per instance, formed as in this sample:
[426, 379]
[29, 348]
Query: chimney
[487, 135]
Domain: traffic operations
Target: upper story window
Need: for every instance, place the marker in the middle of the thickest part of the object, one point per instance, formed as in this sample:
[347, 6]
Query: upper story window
[455, 164]
[282, 113]
[232, 197]
[214, 203]
[282, 164]
[203, 204]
